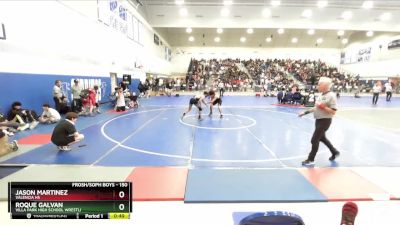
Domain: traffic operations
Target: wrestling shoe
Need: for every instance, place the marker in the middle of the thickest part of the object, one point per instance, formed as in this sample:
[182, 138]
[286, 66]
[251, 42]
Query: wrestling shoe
[349, 213]
[307, 163]
[334, 156]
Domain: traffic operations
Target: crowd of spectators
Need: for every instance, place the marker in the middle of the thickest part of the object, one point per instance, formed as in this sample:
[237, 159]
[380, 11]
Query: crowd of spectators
[270, 74]
[293, 81]
[240, 75]
[309, 72]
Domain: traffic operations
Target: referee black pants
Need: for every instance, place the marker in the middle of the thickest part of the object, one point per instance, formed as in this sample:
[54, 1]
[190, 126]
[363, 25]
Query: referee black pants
[388, 95]
[321, 126]
[375, 98]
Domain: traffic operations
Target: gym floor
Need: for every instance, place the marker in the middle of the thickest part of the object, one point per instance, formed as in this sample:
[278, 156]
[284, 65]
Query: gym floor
[252, 155]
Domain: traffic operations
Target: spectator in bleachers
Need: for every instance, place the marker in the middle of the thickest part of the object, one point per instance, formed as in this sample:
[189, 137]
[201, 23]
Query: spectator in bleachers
[237, 75]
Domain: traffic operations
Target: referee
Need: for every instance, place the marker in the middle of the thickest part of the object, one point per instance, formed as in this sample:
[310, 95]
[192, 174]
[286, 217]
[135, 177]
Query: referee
[325, 108]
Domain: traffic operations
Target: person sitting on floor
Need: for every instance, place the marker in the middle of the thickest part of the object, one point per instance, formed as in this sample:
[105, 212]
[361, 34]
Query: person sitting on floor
[27, 118]
[8, 127]
[65, 133]
[133, 100]
[49, 115]
[287, 99]
[6, 147]
[297, 97]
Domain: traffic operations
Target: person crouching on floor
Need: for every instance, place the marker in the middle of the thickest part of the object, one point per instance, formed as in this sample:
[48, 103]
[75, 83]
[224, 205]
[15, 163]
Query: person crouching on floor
[65, 134]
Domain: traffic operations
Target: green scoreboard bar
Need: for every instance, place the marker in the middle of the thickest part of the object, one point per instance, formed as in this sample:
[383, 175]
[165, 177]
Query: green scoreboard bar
[70, 200]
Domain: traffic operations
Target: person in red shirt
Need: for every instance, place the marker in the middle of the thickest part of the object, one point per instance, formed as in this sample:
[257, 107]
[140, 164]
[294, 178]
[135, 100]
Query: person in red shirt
[90, 102]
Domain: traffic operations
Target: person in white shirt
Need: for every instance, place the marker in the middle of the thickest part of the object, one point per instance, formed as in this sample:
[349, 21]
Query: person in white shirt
[57, 95]
[376, 90]
[389, 90]
[178, 84]
[49, 115]
[221, 89]
[120, 106]
[76, 90]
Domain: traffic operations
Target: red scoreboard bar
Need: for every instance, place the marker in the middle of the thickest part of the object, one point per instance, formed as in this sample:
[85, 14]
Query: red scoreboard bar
[70, 200]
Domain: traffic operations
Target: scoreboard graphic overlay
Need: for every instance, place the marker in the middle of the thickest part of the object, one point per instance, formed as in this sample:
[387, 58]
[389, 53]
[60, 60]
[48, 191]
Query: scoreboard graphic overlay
[70, 200]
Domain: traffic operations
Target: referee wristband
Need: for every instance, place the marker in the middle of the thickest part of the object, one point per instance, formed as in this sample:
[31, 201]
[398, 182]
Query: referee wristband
[306, 112]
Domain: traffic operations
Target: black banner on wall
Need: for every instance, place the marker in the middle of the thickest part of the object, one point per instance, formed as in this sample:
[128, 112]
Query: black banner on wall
[156, 39]
[3, 32]
[394, 44]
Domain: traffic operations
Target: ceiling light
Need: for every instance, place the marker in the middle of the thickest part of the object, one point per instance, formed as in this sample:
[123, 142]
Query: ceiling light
[191, 38]
[322, 4]
[268, 39]
[220, 30]
[179, 2]
[368, 4]
[295, 40]
[340, 33]
[183, 12]
[227, 2]
[189, 30]
[242, 39]
[250, 30]
[266, 12]
[307, 13]
[345, 41]
[281, 31]
[370, 33]
[217, 39]
[320, 40]
[346, 15]
[311, 32]
[225, 12]
[385, 16]
[275, 3]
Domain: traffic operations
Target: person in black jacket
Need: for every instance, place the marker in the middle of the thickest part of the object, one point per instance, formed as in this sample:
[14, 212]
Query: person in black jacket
[65, 133]
[25, 117]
